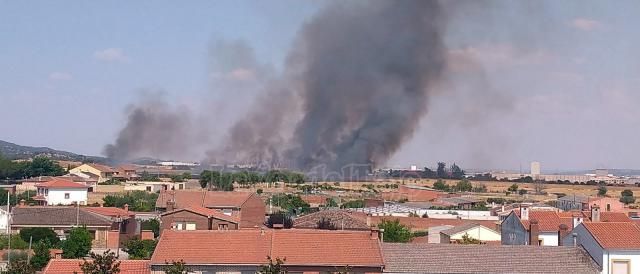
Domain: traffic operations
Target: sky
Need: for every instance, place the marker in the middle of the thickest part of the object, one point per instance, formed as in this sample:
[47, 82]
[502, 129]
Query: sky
[549, 81]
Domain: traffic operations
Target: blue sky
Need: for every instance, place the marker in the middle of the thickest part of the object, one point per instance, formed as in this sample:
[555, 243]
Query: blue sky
[563, 76]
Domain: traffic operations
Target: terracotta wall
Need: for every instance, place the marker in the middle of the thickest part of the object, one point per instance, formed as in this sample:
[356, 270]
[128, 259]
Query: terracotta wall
[252, 213]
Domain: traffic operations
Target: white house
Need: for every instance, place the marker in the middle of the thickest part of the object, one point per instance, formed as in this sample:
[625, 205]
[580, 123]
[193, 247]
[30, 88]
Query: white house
[61, 192]
[614, 246]
[473, 230]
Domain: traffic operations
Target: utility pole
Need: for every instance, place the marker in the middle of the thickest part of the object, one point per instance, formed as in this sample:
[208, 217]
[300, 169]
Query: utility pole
[9, 228]
[29, 252]
[77, 214]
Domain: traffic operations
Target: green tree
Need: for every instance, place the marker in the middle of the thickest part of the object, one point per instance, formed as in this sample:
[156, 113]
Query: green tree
[16, 242]
[353, 204]
[137, 200]
[279, 218]
[440, 185]
[456, 172]
[468, 240]
[209, 179]
[140, 249]
[43, 166]
[19, 267]
[464, 185]
[325, 223]
[394, 232]
[176, 267]
[273, 267]
[291, 203]
[153, 225]
[602, 191]
[513, 188]
[41, 254]
[627, 197]
[107, 263]
[330, 202]
[78, 244]
[441, 172]
[259, 191]
[37, 234]
[522, 192]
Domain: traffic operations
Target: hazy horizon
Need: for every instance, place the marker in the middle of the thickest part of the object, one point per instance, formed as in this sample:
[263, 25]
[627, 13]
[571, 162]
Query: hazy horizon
[548, 81]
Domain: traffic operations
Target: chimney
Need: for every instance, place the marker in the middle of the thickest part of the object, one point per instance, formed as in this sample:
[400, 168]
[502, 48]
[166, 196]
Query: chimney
[577, 219]
[562, 232]
[595, 213]
[524, 212]
[534, 232]
[575, 239]
[368, 220]
[126, 207]
[22, 202]
[171, 205]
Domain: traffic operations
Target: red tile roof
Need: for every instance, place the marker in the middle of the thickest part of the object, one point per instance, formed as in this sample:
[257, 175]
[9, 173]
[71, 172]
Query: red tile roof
[207, 212]
[61, 183]
[615, 235]
[110, 211]
[251, 247]
[186, 198]
[66, 266]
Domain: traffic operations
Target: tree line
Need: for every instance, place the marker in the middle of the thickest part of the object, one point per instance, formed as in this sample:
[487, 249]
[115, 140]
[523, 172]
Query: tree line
[442, 172]
[39, 166]
[224, 181]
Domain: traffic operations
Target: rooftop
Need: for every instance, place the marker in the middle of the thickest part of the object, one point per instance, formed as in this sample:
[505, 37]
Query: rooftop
[61, 183]
[102, 168]
[342, 219]
[56, 216]
[615, 235]
[110, 211]
[66, 266]
[463, 228]
[251, 247]
[207, 212]
[186, 198]
[450, 258]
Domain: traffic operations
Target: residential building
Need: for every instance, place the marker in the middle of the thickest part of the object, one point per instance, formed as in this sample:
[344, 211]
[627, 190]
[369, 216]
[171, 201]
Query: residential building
[614, 246]
[524, 226]
[108, 226]
[102, 172]
[127, 172]
[246, 206]
[61, 192]
[341, 220]
[473, 230]
[153, 187]
[424, 224]
[67, 266]
[198, 218]
[244, 251]
[580, 202]
[428, 258]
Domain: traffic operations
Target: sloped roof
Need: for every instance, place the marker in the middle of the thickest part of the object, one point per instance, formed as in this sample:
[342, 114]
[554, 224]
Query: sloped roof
[61, 183]
[342, 219]
[66, 266]
[102, 168]
[548, 221]
[56, 216]
[451, 258]
[251, 247]
[207, 212]
[463, 228]
[186, 198]
[615, 235]
[110, 211]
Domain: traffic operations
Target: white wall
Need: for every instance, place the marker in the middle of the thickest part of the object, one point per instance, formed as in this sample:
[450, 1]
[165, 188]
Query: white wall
[632, 256]
[480, 233]
[549, 238]
[57, 196]
[3, 222]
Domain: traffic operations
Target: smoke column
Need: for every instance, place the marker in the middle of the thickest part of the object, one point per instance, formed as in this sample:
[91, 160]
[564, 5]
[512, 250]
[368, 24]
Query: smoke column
[354, 88]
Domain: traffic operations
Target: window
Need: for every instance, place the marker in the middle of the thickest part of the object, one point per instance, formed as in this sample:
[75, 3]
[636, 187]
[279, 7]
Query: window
[191, 226]
[183, 226]
[66, 195]
[149, 188]
[223, 227]
[608, 207]
[620, 267]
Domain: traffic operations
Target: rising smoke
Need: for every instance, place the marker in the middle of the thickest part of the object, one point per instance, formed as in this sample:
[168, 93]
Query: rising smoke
[355, 86]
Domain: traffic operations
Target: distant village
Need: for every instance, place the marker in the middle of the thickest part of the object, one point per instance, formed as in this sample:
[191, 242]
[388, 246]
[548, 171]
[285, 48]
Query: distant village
[176, 217]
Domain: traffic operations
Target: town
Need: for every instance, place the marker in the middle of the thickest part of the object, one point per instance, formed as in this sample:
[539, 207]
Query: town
[319, 137]
[66, 217]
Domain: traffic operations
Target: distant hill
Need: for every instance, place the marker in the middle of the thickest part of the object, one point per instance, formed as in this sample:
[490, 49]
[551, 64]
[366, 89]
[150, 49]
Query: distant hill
[14, 151]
